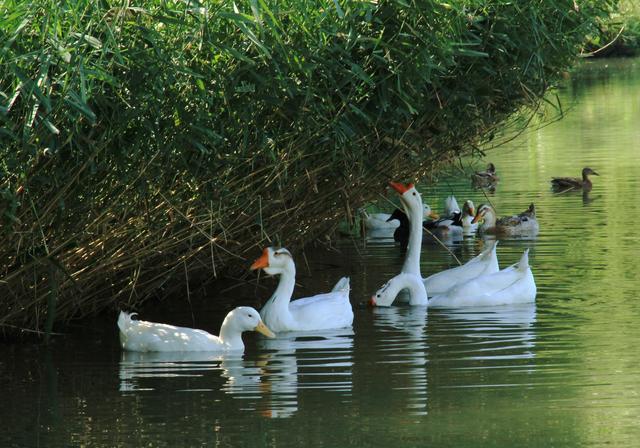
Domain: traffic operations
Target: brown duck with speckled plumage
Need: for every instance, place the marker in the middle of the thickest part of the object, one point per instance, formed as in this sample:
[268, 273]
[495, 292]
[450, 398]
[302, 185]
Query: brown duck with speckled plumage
[574, 183]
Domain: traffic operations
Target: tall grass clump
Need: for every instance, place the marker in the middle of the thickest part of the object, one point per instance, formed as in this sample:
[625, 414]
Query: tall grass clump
[146, 146]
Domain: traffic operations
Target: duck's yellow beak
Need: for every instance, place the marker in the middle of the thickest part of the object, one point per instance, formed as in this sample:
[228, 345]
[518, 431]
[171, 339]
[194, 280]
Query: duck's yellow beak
[263, 329]
[262, 262]
[477, 218]
[433, 215]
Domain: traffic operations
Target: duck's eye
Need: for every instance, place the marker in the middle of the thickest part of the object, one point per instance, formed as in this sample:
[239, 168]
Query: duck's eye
[377, 295]
[414, 193]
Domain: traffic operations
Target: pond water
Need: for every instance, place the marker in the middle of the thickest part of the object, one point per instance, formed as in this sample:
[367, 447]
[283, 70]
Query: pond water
[562, 372]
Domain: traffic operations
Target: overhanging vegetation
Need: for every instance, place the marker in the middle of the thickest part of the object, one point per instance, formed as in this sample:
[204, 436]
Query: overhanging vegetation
[144, 147]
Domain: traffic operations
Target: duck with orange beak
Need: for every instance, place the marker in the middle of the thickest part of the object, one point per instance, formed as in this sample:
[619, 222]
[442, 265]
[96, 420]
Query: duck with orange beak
[326, 311]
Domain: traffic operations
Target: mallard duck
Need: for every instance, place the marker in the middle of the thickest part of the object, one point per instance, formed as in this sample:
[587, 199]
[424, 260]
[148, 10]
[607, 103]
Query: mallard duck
[524, 223]
[511, 285]
[573, 183]
[143, 336]
[320, 312]
[485, 178]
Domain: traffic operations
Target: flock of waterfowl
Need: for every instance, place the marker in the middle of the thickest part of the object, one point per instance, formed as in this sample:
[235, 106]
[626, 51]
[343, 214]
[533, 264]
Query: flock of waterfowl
[478, 282]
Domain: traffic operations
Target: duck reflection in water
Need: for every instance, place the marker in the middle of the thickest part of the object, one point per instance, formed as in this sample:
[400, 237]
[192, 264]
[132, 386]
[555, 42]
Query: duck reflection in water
[510, 329]
[139, 369]
[324, 359]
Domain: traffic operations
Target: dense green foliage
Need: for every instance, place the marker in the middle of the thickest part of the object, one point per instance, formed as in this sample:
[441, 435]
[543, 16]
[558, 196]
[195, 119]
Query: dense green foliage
[618, 34]
[146, 147]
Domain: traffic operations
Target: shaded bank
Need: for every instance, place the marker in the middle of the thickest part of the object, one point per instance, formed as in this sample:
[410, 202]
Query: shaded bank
[145, 150]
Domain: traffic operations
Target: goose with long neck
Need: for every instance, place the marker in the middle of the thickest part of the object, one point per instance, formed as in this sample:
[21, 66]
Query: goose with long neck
[405, 281]
[412, 203]
[413, 206]
[143, 336]
[320, 312]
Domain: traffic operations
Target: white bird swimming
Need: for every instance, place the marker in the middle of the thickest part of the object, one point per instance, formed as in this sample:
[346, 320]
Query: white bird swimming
[320, 312]
[143, 336]
[386, 221]
[412, 202]
[484, 263]
[511, 285]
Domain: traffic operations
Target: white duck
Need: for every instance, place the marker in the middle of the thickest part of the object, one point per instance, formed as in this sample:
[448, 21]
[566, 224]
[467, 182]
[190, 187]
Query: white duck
[143, 336]
[320, 312]
[514, 284]
[458, 223]
[410, 199]
[485, 263]
[385, 221]
[524, 223]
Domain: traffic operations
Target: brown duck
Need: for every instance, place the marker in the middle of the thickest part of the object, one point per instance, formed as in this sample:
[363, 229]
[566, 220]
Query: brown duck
[485, 178]
[574, 183]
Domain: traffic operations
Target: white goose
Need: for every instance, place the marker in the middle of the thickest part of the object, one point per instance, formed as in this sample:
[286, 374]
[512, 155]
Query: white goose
[390, 290]
[511, 285]
[143, 336]
[320, 312]
[412, 203]
[485, 263]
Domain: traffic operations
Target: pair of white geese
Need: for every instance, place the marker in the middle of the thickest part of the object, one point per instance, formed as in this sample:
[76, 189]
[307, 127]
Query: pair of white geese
[479, 282]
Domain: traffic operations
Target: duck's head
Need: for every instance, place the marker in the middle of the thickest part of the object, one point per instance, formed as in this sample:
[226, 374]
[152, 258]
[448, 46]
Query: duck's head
[274, 261]
[587, 171]
[483, 210]
[468, 209]
[491, 168]
[428, 213]
[245, 318]
[409, 197]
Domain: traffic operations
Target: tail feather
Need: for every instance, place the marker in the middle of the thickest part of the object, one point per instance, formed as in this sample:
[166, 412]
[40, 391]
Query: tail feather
[451, 205]
[523, 264]
[342, 285]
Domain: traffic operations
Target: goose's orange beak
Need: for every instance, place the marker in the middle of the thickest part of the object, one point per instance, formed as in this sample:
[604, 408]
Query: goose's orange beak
[400, 188]
[433, 215]
[372, 301]
[262, 262]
